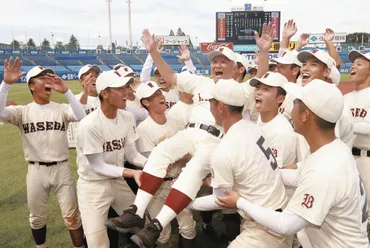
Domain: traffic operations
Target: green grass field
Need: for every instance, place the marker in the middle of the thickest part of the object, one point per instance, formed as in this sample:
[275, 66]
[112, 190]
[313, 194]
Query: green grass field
[14, 225]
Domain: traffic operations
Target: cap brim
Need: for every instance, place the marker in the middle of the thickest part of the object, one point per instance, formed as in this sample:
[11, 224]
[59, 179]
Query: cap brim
[122, 81]
[255, 81]
[153, 90]
[294, 89]
[281, 60]
[354, 54]
[214, 54]
[48, 70]
[302, 56]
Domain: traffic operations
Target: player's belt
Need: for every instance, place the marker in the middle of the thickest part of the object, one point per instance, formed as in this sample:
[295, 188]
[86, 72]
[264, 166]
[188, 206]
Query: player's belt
[357, 152]
[169, 178]
[209, 128]
[47, 164]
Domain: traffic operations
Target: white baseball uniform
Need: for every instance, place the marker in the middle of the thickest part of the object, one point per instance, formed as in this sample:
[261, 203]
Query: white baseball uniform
[331, 197]
[44, 133]
[194, 141]
[287, 106]
[249, 112]
[359, 104]
[249, 167]
[150, 135]
[181, 113]
[96, 193]
[172, 97]
[281, 139]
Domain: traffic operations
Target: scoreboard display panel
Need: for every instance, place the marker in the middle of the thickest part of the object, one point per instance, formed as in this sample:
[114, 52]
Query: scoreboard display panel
[238, 27]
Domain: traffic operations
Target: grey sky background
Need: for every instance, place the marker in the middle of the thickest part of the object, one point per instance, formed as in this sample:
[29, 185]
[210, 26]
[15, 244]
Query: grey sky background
[88, 19]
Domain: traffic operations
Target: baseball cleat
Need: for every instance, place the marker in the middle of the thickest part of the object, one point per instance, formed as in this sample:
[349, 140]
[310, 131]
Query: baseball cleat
[147, 237]
[128, 222]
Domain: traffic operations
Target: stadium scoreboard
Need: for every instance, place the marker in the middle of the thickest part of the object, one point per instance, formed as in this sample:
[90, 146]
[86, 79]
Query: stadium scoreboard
[239, 26]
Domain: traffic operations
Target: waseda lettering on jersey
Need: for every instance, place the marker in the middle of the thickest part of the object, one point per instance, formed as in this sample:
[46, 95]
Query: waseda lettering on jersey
[358, 112]
[113, 145]
[43, 126]
[308, 201]
[202, 99]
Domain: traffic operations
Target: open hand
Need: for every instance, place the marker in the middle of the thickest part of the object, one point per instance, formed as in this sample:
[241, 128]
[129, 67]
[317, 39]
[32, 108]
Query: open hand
[185, 53]
[11, 70]
[290, 29]
[265, 40]
[303, 39]
[329, 34]
[58, 83]
[149, 41]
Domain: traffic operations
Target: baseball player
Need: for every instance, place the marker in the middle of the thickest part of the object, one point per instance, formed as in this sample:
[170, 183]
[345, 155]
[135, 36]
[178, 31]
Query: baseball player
[87, 77]
[104, 139]
[317, 64]
[359, 103]
[330, 201]
[269, 95]
[152, 131]
[198, 139]
[43, 126]
[246, 165]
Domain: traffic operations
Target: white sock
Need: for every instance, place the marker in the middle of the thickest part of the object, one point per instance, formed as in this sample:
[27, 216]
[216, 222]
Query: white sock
[41, 246]
[166, 215]
[142, 201]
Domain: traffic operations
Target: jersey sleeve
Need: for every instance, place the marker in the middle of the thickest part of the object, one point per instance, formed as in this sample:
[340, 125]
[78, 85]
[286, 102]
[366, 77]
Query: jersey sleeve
[221, 170]
[15, 115]
[89, 138]
[282, 146]
[314, 196]
[344, 127]
[68, 112]
[188, 82]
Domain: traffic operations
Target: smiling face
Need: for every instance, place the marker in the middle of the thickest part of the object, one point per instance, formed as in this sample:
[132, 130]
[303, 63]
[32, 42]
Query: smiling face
[360, 70]
[41, 87]
[267, 98]
[160, 81]
[92, 88]
[222, 68]
[115, 97]
[155, 103]
[312, 69]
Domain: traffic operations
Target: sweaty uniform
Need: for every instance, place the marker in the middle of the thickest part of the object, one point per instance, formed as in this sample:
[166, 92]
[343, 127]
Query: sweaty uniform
[249, 167]
[150, 135]
[96, 193]
[359, 104]
[331, 197]
[281, 138]
[44, 133]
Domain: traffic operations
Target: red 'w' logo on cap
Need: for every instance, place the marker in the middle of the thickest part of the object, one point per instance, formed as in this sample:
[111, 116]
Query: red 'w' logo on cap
[220, 49]
[150, 85]
[117, 73]
[283, 54]
[315, 51]
[266, 75]
[126, 70]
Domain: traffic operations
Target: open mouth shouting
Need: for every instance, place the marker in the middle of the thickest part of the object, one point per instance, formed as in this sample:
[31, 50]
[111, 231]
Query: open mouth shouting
[219, 73]
[258, 102]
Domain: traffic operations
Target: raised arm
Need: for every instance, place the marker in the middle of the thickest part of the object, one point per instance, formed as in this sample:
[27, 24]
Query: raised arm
[185, 56]
[11, 75]
[302, 41]
[290, 29]
[148, 64]
[264, 43]
[328, 37]
[166, 71]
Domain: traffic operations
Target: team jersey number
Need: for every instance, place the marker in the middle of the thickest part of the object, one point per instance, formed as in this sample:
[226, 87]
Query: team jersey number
[268, 153]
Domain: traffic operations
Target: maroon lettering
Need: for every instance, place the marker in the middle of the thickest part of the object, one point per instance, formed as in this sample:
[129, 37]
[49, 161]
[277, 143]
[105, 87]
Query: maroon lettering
[308, 201]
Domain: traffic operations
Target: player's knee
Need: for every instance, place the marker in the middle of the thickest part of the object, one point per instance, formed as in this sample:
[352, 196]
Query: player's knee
[188, 232]
[38, 222]
[187, 226]
[98, 239]
[72, 220]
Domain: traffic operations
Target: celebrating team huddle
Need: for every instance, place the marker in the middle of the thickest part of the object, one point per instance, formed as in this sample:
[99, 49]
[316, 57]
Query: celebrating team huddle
[285, 152]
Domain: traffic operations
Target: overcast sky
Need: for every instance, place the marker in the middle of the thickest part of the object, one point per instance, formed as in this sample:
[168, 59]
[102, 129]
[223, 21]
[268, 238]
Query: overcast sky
[88, 19]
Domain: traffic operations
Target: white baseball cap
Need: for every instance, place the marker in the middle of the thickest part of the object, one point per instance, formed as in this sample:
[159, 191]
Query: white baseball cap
[322, 98]
[243, 60]
[86, 68]
[126, 71]
[117, 66]
[35, 71]
[111, 79]
[272, 79]
[334, 75]
[229, 92]
[225, 51]
[322, 56]
[354, 54]
[288, 58]
[147, 89]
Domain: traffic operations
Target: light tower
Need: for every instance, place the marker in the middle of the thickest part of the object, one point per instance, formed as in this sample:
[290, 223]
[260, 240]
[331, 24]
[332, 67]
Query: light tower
[110, 25]
[129, 24]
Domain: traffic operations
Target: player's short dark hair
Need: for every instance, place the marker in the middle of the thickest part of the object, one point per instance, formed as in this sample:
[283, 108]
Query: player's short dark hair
[235, 109]
[100, 96]
[141, 102]
[299, 71]
[240, 65]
